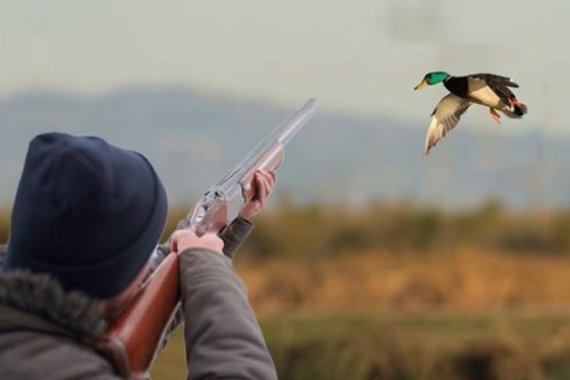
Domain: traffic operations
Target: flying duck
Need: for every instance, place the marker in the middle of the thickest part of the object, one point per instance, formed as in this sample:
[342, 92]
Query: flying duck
[488, 90]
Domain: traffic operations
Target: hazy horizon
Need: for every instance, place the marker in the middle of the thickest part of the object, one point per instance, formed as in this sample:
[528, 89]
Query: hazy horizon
[361, 57]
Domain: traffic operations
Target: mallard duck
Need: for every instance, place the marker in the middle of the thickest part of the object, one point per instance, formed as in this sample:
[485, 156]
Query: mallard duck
[485, 89]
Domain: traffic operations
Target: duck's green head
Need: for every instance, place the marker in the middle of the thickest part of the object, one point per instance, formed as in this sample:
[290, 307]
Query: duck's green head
[432, 78]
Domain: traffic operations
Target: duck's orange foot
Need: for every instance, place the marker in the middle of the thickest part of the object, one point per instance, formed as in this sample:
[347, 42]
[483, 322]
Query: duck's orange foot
[495, 115]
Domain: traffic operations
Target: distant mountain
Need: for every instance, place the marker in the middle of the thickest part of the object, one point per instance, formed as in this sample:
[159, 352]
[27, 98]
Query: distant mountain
[193, 137]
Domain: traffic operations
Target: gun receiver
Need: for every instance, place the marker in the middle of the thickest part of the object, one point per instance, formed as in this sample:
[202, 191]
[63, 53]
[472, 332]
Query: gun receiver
[134, 339]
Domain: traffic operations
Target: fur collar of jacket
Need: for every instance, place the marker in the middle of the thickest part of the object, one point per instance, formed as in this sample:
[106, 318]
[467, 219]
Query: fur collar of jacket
[41, 296]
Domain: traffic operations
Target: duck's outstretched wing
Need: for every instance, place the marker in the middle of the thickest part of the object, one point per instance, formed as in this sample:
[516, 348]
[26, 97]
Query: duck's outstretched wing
[497, 83]
[444, 118]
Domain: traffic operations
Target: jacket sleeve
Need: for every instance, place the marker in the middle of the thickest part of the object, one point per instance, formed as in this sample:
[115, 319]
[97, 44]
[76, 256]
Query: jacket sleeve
[235, 235]
[223, 338]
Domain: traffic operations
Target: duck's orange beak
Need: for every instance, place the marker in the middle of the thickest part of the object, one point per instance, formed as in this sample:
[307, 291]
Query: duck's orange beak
[423, 84]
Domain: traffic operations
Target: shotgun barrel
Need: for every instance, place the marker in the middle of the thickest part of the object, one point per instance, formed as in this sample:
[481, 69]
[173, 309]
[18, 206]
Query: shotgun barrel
[222, 203]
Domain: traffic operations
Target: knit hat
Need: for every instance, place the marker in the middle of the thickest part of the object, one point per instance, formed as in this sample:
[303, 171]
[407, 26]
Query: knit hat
[86, 212]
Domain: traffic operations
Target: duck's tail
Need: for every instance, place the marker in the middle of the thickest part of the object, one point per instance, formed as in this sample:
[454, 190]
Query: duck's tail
[516, 109]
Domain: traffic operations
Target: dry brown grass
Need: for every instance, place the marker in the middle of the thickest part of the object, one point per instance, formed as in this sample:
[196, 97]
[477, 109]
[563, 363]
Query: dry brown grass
[459, 280]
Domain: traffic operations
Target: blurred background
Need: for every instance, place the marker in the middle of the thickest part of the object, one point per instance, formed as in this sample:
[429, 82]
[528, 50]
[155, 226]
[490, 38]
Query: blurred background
[371, 261]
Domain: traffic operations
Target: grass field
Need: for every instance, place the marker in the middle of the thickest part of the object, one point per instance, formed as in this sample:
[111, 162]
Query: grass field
[458, 280]
[395, 292]
[402, 346]
[379, 315]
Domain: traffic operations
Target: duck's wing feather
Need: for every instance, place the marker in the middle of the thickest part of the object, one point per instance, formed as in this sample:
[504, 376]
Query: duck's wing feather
[498, 84]
[495, 80]
[444, 118]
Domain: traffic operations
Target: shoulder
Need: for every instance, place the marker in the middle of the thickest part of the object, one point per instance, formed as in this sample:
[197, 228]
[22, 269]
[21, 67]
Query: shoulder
[25, 354]
[44, 330]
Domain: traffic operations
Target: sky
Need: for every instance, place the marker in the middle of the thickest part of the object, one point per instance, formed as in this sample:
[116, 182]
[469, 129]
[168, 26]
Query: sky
[360, 57]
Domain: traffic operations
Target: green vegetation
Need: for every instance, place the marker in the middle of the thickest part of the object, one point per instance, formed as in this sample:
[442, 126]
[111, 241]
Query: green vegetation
[289, 230]
[396, 346]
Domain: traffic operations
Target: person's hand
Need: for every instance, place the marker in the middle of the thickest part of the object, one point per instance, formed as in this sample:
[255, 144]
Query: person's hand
[184, 239]
[263, 183]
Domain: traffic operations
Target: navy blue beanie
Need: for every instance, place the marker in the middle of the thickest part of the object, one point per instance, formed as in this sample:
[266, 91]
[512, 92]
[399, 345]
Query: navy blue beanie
[86, 212]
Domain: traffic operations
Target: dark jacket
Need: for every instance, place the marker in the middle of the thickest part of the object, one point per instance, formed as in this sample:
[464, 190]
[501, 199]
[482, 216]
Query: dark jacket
[47, 333]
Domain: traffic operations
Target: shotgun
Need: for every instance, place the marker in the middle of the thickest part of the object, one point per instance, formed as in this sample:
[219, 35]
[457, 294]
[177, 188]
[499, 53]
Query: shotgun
[134, 339]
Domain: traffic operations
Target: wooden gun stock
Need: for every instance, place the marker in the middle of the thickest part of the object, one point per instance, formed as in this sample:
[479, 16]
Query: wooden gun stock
[134, 338]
